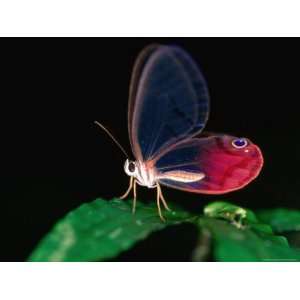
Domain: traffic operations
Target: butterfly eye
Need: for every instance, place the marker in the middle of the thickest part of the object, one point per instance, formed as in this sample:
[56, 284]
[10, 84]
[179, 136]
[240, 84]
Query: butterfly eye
[131, 167]
[239, 143]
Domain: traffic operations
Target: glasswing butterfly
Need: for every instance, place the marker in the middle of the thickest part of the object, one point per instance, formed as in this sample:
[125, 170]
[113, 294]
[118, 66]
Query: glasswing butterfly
[168, 109]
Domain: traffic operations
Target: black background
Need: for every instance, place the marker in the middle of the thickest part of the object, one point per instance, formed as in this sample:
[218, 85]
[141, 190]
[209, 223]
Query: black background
[53, 158]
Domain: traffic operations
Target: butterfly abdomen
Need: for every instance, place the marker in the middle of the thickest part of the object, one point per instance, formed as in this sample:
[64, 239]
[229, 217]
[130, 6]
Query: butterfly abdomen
[182, 176]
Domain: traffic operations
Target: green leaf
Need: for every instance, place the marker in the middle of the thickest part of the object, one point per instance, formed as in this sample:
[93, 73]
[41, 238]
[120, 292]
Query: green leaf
[246, 244]
[281, 219]
[102, 229]
[238, 235]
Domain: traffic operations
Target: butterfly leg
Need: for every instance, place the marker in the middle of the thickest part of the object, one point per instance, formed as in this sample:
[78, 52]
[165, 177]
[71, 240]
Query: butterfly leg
[128, 190]
[134, 196]
[158, 197]
[162, 198]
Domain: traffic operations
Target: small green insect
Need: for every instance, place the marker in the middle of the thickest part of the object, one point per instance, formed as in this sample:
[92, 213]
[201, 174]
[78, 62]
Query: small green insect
[236, 215]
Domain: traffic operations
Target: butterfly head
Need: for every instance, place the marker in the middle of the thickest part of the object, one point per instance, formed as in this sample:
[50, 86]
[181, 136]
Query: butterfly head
[143, 173]
[130, 168]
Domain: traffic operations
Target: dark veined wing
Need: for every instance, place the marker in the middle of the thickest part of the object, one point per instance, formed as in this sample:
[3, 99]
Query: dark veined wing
[168, 100]
[211, 165]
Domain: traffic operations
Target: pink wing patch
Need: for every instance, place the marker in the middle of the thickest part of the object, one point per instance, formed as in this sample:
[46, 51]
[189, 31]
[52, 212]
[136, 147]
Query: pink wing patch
[227, 164]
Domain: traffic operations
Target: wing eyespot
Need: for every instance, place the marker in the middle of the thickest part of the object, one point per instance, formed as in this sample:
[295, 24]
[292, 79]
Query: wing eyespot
[239, 143]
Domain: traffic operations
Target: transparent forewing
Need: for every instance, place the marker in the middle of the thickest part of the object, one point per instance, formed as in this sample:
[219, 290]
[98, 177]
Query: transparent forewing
[168, 100]
[219, 165]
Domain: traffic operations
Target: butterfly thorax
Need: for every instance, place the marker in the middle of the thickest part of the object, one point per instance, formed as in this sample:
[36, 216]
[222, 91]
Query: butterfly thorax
[143, 172]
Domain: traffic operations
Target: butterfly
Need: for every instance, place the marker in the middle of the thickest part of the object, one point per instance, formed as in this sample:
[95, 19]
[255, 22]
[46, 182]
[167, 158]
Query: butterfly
[168, 109]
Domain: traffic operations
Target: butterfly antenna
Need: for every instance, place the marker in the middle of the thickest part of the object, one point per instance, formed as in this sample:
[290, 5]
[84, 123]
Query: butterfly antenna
[112, 137]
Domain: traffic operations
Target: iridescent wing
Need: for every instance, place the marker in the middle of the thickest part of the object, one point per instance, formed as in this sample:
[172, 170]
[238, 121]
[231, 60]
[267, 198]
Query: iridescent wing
[211, 165]
[168, 100]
